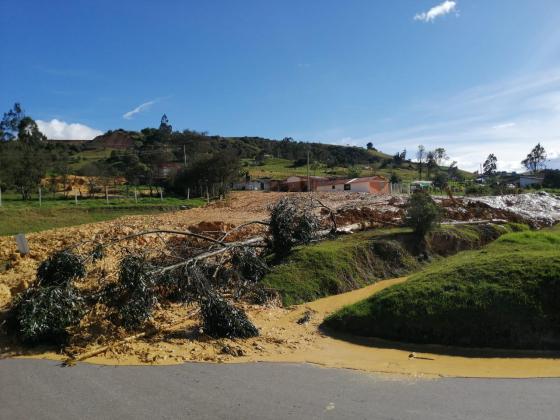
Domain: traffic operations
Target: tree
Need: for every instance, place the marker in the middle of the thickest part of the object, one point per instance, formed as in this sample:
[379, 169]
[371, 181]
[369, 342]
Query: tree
[215, 173]
[164, 125]
[490, 165]
[28, 132]
[395, 179]
[536, 159]
[441, 180]
[9, 126]
[369, 145]
[23, 166]
[440, 155]
[353, 172]
[431, 162]
[422, 213]
[421, 157]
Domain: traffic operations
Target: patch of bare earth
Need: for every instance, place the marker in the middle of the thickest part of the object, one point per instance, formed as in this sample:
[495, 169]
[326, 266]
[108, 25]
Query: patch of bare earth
[286, 334]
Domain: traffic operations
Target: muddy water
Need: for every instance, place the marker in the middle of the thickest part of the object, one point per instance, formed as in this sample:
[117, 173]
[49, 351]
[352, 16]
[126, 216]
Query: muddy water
[284, 340]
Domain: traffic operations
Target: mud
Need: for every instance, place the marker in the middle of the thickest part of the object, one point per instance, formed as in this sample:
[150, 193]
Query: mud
[284, 339]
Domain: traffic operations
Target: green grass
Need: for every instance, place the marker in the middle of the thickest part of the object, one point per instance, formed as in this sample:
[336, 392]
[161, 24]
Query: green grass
[17, 216]
[282, 168]
[88, 156]
[353, 261]
[506, 295]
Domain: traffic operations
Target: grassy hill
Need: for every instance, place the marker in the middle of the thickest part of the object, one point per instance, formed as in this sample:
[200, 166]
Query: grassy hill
[506, 295]
[261, 157]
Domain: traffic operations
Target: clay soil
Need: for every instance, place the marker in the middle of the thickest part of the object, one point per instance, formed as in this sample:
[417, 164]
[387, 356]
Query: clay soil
[287, 334]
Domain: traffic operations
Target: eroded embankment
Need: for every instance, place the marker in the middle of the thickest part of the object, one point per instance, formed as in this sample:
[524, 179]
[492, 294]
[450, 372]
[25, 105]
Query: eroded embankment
[354, 261]
[503, 296]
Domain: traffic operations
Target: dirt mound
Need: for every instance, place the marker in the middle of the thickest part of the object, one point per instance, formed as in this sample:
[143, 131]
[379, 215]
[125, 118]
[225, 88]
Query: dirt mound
[537, 209]
[118, 139]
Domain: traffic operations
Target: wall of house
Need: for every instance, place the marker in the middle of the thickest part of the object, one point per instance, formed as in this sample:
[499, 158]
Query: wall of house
[328, 187]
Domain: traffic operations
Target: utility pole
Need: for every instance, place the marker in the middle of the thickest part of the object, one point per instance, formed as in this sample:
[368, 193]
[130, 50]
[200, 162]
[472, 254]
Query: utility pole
[184, 156]
[308, 178]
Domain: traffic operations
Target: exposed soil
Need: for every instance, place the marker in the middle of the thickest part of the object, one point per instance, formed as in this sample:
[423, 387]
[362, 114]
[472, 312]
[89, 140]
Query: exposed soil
[290, 335]
[293, 335]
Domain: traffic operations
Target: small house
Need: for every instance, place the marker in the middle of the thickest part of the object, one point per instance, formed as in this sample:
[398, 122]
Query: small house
[530, 180]
[371, 184]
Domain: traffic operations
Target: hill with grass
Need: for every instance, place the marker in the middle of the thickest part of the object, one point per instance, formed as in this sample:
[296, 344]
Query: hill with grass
[505, 295]
[260, 157]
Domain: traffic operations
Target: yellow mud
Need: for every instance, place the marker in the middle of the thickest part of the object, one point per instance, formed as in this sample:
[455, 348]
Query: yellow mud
[284, 340]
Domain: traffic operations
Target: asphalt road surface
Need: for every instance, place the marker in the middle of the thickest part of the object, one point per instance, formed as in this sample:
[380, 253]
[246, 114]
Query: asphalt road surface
[40, 389]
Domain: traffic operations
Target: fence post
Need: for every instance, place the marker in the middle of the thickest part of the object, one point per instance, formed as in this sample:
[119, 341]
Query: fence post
[76, 197]
[135, 196]
[40, 198]
[107, 194]
[188, 195]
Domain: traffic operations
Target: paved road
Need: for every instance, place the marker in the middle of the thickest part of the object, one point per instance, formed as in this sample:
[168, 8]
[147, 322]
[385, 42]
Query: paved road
[38, 389]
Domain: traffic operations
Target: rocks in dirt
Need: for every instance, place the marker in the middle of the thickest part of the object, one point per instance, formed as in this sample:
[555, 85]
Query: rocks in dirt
[232, 351]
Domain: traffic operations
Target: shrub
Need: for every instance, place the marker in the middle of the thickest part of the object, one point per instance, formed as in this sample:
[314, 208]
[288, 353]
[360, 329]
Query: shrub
[291, 222]
[422, 213]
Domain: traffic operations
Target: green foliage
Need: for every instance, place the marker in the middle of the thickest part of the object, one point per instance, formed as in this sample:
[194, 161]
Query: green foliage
[60, 269]
[134, 296]
[216, 172]
[221, 319]
[292, 222]
[45, 313]
[505, 295]
[353, 172]
[422, 213]
[535, 159]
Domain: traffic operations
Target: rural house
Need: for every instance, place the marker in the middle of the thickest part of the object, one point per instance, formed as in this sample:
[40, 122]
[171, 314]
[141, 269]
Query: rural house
[371, 184]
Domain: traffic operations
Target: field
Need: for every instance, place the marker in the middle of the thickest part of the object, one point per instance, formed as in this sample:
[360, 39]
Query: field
[505, 295]
[282, 168]
[17, 216]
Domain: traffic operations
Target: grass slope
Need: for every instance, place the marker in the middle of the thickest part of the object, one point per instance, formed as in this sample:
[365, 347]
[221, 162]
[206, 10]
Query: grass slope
[353, 261]
[505, 295]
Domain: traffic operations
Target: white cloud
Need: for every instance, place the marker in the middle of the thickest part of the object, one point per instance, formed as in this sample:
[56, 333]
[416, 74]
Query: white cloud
[60, 130]
[440, 10]
[506, 118]
[140, 108]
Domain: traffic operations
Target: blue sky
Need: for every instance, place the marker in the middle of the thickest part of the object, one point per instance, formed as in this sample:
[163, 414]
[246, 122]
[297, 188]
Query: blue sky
[473, 76]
